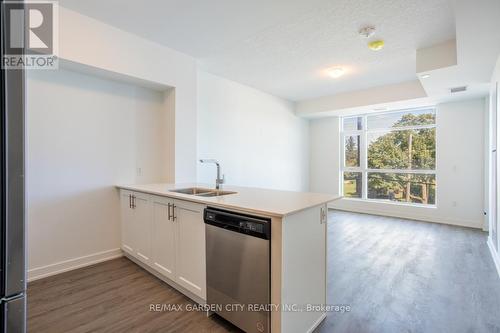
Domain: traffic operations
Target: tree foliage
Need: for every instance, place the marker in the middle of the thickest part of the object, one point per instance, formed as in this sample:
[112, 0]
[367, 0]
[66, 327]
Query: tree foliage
[352, 151]
[404, 149]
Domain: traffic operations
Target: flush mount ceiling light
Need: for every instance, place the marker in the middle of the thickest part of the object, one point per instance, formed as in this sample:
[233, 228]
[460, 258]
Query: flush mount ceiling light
[336, 72]
[376, 45]
[425, 76]
[367, 32]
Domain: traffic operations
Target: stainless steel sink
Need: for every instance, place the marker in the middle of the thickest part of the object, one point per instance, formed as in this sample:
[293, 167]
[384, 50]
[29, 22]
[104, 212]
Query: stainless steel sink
[192, 190]
[216, 193]
[199, 191]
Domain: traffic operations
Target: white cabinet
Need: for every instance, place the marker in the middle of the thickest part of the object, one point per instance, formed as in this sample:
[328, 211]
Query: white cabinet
[127, 225]
[142, 220]
[168, 235]
[163, 241]
[191, 272]
[136, 224]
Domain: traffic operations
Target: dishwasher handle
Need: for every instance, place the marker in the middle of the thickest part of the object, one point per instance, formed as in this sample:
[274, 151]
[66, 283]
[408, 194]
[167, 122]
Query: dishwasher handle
[240, 223]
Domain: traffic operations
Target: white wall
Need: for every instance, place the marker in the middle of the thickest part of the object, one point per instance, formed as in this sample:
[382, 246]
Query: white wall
[459, 171]
[86, 41]
[72, 207]
[494, 223]
[324, 155]
[393, 96]
[85, 135]
[256, 136]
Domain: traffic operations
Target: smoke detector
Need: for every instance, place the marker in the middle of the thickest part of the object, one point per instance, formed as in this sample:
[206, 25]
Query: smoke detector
[367, 32]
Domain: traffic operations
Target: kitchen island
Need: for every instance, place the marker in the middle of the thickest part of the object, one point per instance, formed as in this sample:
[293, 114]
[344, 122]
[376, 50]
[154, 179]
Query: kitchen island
[163, 231]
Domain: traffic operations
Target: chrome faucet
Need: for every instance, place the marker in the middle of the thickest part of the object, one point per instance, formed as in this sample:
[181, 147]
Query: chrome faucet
[218, 181]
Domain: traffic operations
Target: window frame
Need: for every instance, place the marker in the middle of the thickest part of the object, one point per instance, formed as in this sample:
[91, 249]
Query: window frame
[363, 165]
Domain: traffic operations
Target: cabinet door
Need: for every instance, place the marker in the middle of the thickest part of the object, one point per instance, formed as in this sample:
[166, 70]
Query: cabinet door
[163, 238]
[191, 272]
[127, 225]
[142, 226]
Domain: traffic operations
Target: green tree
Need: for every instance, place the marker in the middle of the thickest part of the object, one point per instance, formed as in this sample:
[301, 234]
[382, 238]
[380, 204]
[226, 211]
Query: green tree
[352, 151]
[404, 149]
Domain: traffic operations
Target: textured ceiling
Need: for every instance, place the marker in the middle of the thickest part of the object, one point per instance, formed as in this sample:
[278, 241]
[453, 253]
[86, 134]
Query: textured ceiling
[283, 46]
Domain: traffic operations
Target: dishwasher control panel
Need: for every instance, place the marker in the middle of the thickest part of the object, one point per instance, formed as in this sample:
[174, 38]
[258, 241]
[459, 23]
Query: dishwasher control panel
[242, 223]
[250, 226]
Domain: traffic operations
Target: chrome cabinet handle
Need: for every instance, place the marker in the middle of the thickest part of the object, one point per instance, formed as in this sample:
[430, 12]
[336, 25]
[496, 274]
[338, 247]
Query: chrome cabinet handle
[169, 214]
[323, 216]
[133, 202]
[130, 201]
[173, 212]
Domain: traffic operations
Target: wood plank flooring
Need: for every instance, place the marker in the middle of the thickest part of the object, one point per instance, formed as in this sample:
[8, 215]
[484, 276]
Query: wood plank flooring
[409, 276]
[396, 275]
[113, 296]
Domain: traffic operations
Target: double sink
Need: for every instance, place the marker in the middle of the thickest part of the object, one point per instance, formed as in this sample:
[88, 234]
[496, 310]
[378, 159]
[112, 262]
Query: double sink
[202, 192]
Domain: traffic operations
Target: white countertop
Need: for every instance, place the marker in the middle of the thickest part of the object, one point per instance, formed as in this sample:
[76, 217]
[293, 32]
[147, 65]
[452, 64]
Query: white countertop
[253, 200]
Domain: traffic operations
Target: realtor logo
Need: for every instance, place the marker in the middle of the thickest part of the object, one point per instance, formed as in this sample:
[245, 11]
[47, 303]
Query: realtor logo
[30, 32]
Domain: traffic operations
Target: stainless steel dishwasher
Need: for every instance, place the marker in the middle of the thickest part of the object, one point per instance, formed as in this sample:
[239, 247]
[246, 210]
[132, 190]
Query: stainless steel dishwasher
[238, 268]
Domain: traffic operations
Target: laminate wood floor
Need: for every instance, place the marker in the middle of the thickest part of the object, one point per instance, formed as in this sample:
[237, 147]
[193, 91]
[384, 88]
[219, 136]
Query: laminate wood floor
[396, 275]
[112, 297]
[409, 276]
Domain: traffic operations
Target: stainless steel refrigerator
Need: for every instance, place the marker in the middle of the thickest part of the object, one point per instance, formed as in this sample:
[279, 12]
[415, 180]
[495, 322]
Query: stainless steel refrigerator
[12, 240]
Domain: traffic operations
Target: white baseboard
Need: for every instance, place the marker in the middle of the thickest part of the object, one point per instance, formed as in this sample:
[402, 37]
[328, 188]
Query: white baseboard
[316, 323]
[494, 254]
[415, 217]
[71, 264]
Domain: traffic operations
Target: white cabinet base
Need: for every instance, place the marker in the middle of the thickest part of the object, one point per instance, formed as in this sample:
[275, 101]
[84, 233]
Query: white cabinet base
[166, 235]
[298, 268]
[176, 233]
[171, 283]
